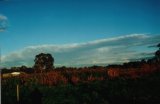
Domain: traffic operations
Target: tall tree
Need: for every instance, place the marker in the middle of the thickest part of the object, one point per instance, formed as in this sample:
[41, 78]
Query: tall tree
[43, 62]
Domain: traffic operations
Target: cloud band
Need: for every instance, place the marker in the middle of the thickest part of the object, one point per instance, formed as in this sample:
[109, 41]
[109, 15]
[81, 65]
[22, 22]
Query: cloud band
[99, 52]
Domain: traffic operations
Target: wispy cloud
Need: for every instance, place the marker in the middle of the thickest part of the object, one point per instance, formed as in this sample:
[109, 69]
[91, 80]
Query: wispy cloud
[3, 22]
[99, 52]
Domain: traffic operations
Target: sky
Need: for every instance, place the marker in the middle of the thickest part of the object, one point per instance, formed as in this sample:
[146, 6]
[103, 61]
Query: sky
[78, 32]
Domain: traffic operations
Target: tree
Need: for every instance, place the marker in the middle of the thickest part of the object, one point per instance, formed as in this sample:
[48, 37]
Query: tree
[157, 53]
[43, 62]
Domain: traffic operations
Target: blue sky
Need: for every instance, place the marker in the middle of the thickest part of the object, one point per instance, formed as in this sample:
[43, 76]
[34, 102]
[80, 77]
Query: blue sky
[35, 26]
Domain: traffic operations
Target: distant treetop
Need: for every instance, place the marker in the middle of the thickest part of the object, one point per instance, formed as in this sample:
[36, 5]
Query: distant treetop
[43, 62]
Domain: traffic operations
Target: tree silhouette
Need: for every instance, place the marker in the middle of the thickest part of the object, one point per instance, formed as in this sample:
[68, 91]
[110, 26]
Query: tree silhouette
[157, 53]
[43, 62]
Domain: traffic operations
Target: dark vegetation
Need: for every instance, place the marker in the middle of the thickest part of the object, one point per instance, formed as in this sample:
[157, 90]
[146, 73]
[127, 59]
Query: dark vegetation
[131, 83]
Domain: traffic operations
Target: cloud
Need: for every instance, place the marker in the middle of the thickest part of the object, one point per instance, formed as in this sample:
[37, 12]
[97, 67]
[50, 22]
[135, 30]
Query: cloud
[99, 52]
[3, 22]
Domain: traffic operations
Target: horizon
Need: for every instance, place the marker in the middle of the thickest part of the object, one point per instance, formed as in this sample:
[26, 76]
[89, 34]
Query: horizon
[78, 33]
[115, 50]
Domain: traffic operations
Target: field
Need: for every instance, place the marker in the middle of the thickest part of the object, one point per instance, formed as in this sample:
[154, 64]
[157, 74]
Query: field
[92, 85]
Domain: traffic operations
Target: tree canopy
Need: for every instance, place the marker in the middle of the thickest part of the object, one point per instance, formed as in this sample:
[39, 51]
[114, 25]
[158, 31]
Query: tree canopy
[43, 62]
